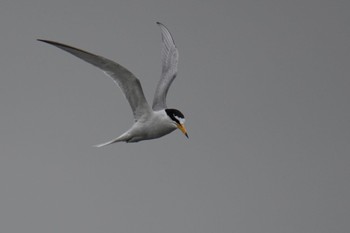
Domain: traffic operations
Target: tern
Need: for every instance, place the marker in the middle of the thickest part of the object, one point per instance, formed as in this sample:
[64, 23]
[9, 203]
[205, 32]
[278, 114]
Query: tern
[149, 123]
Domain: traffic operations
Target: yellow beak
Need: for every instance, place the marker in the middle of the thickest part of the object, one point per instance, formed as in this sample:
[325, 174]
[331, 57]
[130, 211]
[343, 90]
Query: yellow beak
[183, 129]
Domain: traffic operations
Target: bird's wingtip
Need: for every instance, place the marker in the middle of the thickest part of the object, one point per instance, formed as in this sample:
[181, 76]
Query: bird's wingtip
[159, 24]
[45, 41]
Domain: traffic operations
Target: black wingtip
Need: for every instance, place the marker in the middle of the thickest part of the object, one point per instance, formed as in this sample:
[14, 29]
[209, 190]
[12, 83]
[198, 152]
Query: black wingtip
[46, 41]
[159, 24]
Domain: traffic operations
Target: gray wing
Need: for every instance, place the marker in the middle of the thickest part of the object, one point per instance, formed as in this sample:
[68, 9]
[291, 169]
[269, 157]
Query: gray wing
[129, 84]
[170, 57]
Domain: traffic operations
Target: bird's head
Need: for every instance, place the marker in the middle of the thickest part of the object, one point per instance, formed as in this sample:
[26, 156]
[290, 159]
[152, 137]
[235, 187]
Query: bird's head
[178, 119]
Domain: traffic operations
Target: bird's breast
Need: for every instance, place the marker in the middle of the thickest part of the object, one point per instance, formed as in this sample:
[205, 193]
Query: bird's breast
[154, 127]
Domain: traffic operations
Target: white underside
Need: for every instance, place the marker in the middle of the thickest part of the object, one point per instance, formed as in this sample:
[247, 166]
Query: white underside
[150, 126]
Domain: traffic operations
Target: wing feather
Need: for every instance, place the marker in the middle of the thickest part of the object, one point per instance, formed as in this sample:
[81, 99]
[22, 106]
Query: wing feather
[170, 58]
[128, 83]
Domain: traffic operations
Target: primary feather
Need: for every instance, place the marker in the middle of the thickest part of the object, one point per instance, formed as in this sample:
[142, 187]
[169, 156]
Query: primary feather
[127, 81]
[170, 58]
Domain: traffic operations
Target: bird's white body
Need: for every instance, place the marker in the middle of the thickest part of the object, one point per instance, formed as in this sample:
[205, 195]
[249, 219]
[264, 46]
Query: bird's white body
[151, 126]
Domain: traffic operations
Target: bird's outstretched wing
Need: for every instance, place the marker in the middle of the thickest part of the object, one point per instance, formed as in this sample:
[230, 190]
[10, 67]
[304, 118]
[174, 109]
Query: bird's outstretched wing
[128, 83]
[170, 57]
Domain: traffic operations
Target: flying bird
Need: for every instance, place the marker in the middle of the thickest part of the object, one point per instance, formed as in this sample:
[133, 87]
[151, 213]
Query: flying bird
[149, 123]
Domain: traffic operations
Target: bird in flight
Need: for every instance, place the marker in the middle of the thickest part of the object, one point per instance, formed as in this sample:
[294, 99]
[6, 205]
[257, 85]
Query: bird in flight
[149, 123]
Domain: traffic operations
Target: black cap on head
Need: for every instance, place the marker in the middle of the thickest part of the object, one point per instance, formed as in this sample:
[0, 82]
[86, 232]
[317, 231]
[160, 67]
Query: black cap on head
[175, 115]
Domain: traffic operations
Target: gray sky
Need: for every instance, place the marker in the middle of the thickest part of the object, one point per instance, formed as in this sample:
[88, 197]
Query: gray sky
[264, 86]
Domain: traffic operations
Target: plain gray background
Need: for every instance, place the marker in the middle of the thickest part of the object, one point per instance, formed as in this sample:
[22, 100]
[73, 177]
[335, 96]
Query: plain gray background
[264, 86]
